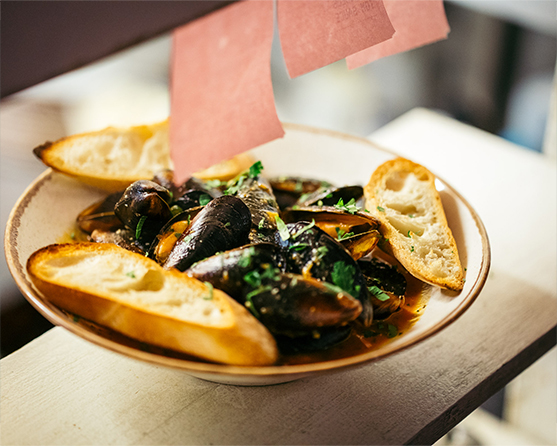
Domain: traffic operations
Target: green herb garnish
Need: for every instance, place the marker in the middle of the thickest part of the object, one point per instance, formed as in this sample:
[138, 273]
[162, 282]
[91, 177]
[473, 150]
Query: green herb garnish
[348, 207]
[321, 251]
[341, 235]
[261, 223]
[378, 293]
[214, 184]
[282, 229]
[298, 246]
[210, 286]
[255, 169]
[131, 274]
[175, 210]
[304, 229]
[380, 209]
[343, 277]
[204, 199]
[139, 226]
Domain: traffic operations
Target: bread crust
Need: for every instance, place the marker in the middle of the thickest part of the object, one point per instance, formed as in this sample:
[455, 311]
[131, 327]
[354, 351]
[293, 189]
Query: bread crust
[402, 195]
[234, 336]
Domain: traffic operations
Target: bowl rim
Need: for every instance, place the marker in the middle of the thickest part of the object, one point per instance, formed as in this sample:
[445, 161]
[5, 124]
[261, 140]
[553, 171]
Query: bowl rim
[57, 317]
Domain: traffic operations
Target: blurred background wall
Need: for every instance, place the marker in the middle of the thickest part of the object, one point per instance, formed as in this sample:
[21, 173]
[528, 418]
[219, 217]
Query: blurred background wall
[496, 71]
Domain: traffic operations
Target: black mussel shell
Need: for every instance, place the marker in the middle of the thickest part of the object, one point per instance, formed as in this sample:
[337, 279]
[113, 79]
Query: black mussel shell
[329, 196]
[317, 340]
[100, 215]
[292, 305]
[227, 270]
[221, 225]
[310, 251]
[144, 208]
[288, 190]
[387, 286]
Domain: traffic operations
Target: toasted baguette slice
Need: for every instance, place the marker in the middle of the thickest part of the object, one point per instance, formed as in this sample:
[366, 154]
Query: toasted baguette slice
[113, 158]
[402, 195]
[135, 296]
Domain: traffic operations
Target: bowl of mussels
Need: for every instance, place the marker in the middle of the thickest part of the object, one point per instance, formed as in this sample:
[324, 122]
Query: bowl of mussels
[295, 231]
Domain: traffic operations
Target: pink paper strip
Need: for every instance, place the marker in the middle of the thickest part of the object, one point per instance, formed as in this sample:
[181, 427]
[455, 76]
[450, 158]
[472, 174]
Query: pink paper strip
[417, 23]
[315, 33]
[222, 99]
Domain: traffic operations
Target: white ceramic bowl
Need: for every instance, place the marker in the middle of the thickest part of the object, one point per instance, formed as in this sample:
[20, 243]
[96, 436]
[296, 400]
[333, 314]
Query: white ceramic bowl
[47, 211]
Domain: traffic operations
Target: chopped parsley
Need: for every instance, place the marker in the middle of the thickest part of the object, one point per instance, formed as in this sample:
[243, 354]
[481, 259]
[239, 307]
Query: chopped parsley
[261, 223]
[321, 251]
[282, 228]
[131, 274]
[210, 286]
[214, 184]
[304, 229]
[227, 224]
[341, 235]
[380, 209]
[298, 246]
[343, 277]
[378, 293]
[245, 259]
[350, 207]
[255, 169]
[204, 199]
[139, 226]
[175, 210]
[411, 249]
[235, 185]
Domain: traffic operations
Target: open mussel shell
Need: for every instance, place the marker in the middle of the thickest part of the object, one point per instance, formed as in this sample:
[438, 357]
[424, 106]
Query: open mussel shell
[387, 286]
[329, 196]
[357, 232]
[312, 252]
[288, 190]
[170, 233]
[100, 215]
[221, 225]
[292, 305]
[227, 271]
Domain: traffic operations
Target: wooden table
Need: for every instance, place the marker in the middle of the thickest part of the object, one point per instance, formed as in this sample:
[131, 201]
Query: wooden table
[60, 389]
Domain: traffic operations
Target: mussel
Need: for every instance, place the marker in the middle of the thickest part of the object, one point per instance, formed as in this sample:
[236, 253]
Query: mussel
[100, 215]
[285, 303]
[292, 305]
[310, 251]
[258, 196]
[387, 286]
[144, 209]
[166, 239]
[221, 225]
[227, 270]
[357, 231]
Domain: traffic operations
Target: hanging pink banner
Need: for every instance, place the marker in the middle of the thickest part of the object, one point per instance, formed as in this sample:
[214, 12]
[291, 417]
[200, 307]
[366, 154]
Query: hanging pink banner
[417, 23]
[222, 99]
[315, 33]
